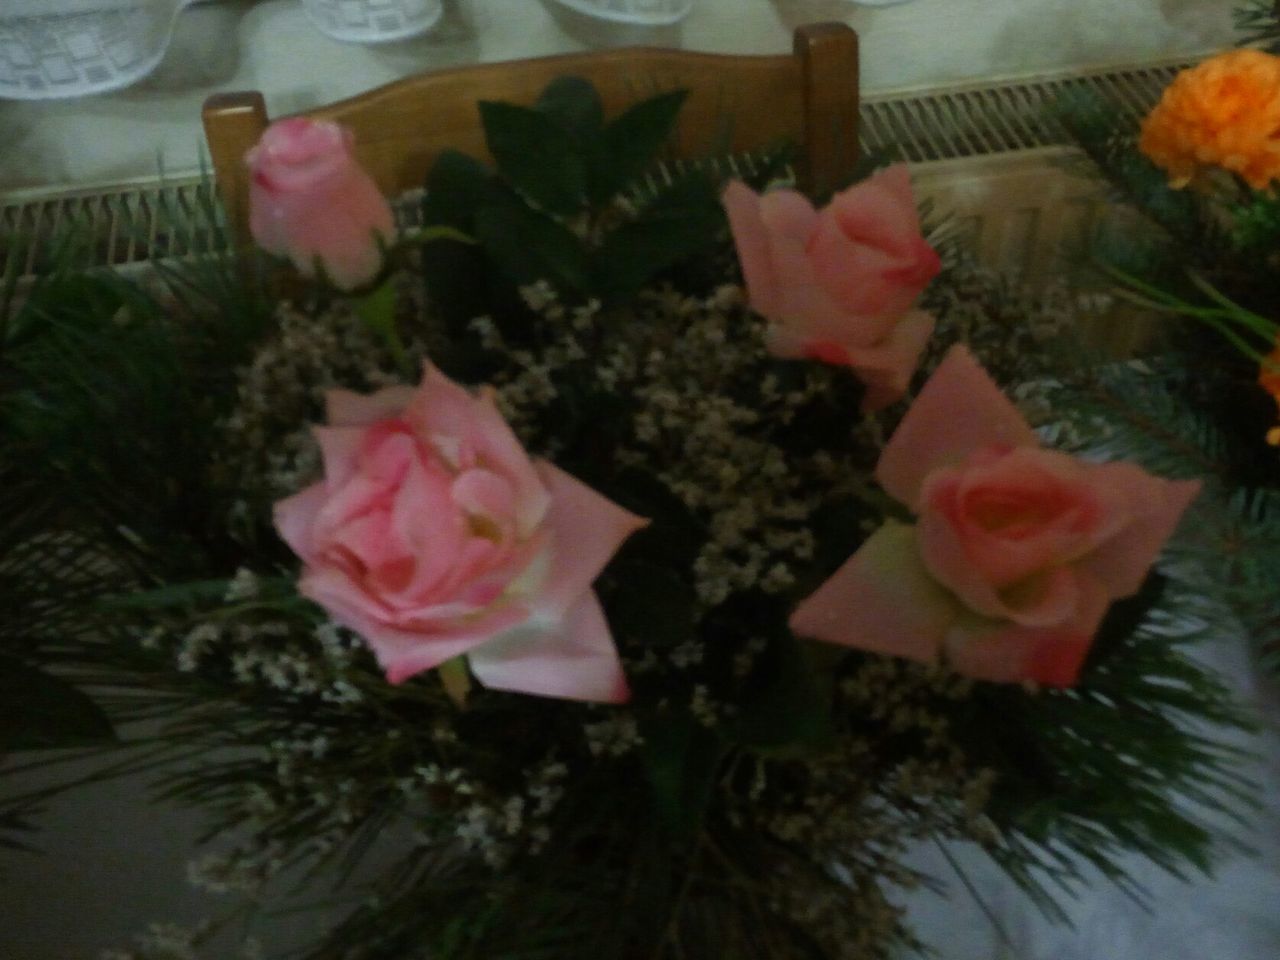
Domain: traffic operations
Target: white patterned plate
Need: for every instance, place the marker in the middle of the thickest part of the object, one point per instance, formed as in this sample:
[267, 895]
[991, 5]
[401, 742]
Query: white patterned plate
[373, 21]
[651, 13]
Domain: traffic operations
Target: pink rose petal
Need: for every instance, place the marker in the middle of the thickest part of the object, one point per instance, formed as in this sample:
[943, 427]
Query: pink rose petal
[1003, 652]
[573, 659]
[339, 449]
[886, 368]
[1021, 511]
[487, 497]
[586, 529]
[346, 409]
[295, 516]
[433, 533]
[867, 249]
[837, 285]
[959, 410]
[882, 600]
[788, 214]
[443, 409]
[310, 201]
[1018, 551]
[857, 276]
[1124, 561]
[742, 206]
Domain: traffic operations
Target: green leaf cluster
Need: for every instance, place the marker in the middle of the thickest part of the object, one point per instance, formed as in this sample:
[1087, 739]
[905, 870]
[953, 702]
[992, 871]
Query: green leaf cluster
[562, 205]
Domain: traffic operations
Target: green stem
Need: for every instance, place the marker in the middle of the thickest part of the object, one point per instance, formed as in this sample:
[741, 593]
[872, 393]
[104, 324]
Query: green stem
[456, 679]
[378, 311]
[1267, 329]
[1228, 317]
[431, 234]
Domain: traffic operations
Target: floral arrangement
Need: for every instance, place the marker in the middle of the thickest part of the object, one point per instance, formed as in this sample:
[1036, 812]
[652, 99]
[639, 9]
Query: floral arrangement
[565, 601]
[1202, 260]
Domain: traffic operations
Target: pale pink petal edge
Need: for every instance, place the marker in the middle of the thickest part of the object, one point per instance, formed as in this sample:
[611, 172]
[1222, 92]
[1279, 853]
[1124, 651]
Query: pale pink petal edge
[573, 659]
[881, 600]
[587, 529]
[959, 410]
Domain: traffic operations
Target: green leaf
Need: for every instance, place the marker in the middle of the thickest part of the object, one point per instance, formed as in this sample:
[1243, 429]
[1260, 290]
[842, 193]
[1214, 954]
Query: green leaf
[457, 276]
[674, 535]
[632, 141]
[280, 592]
[377, 310]
[529, 245]
[536, 155]
[682, 760]
[786, 710]
[193, 593]
[40, 711]
[1124, 617]
[574, 103]
[683, 220]
[649, 604]
[456, 188]
[838, 532]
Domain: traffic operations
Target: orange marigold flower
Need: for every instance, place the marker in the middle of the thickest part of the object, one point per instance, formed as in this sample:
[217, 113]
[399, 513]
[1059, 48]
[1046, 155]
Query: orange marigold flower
[1225, 112]
[1269, 380]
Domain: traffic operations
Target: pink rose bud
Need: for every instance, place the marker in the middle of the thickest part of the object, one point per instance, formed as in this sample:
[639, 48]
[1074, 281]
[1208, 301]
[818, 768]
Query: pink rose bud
[838, 285]
[1018, 550]
[434, 535]
[311, 202]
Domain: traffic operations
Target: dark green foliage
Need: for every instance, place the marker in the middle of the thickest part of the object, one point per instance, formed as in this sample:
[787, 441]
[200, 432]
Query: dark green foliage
[528, 245]
[629, 144]
[787, 702]
[574, 104]
[539, 158]
[1259, 23]
[562, 206]
[1115, 765]
[1197, 247]
[1160, 418]
[40, 711]
[682, 760]
[1107, 137]
[675, 224]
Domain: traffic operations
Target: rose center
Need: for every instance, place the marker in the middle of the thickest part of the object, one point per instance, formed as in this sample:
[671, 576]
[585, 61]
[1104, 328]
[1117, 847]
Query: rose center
[1011, 514]
[484, 527]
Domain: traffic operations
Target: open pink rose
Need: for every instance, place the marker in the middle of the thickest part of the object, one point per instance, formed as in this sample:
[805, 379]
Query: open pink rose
[838, 285]
[311, 202]
[1017, 553]
[433, 534]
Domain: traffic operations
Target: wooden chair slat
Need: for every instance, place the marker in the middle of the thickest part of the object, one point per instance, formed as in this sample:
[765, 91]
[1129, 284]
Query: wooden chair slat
[736, 104]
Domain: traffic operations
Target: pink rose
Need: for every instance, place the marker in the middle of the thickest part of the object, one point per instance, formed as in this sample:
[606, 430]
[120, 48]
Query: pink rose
[838, 285]
[310, 201]
[1017, 553]
[433, 534]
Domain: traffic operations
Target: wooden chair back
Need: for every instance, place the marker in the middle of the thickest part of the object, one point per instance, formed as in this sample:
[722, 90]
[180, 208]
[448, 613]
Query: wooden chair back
[738, 103]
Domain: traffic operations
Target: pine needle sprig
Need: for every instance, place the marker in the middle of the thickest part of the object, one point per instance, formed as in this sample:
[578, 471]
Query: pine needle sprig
[1107, 139]
[1259, 23]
